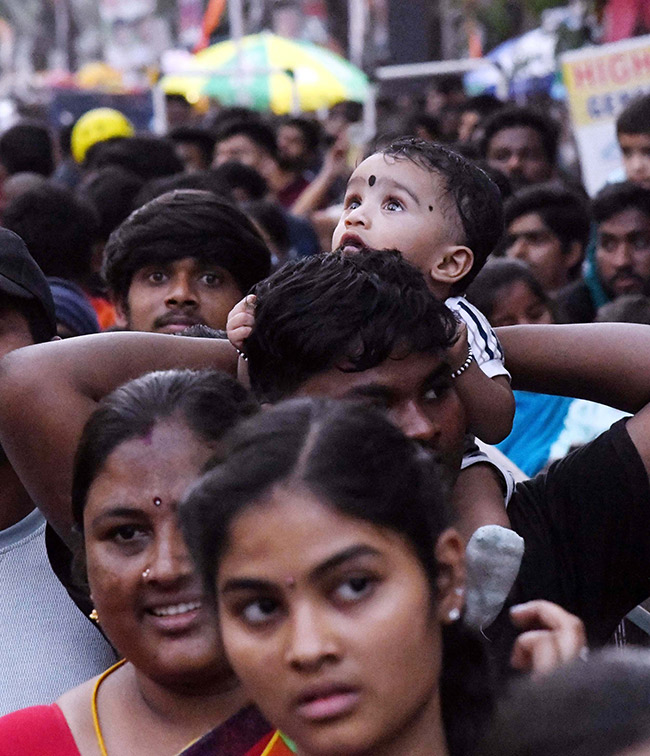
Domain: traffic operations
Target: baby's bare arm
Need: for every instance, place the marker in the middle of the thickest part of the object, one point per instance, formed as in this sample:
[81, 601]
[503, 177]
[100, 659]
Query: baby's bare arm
[489, 402]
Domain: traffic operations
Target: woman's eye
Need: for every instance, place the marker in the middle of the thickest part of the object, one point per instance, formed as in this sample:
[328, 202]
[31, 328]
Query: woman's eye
[211, 279]
[157, 276]
[354, 588]
[393, 205]
[259, 611]
[126, 533]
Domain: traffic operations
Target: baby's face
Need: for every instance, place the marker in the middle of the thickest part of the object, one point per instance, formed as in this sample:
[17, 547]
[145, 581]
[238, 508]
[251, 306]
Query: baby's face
[395, 204]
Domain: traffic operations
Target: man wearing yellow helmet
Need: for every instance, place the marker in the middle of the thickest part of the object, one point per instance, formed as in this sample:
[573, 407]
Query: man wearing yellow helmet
[98, 125]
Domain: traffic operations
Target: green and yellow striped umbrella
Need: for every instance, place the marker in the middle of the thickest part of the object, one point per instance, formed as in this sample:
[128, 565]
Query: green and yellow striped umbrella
[272, 73]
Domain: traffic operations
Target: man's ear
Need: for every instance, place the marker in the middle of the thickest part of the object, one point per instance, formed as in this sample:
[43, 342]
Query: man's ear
[452, 266]
[121, 313]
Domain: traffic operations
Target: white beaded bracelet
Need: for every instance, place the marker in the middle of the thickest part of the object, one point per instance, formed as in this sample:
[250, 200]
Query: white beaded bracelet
[465, 365]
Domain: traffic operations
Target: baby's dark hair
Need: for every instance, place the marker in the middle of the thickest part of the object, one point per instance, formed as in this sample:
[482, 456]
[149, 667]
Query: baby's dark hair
[471, 200]
[352, 312]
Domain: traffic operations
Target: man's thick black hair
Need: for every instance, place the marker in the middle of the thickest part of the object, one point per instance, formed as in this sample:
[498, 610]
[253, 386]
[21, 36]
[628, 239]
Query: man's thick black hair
[259, 133]
[27, 146]
[58, 228]
[515, 117]
[473, 196]
[635, 117]
[112, 191]
[616, 198]
[349, 312]
[565, 212]
[146, 155]
[241, 180]
[185, 223]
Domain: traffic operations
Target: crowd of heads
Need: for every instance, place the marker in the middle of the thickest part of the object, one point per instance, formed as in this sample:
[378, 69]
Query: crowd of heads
[316, 534]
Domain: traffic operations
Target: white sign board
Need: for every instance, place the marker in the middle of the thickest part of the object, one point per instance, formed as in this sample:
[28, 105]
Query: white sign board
[600, 81]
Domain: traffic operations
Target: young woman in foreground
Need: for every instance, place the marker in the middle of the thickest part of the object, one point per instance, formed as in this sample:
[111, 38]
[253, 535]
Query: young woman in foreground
[325, 536]
[339, 583]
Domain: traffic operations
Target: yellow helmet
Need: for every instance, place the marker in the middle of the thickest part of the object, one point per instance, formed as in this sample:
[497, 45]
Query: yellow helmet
[97, 125]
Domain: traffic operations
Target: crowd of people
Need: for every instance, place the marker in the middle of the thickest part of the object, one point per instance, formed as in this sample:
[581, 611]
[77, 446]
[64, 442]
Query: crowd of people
[314, 449]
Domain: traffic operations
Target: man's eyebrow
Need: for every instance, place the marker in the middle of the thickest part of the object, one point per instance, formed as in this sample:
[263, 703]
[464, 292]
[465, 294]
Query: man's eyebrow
[370, 391]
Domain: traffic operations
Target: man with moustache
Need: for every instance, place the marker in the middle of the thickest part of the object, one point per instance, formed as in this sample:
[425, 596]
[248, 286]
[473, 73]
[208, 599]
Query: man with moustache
[183, 259]
[621, 262]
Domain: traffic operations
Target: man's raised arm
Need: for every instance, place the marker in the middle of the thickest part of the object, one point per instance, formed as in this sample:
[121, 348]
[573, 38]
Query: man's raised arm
[48, 392]
[603, 362]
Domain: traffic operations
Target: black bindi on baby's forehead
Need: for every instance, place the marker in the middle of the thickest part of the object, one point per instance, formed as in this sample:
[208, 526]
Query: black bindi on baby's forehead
[371, 180]
[430, 208]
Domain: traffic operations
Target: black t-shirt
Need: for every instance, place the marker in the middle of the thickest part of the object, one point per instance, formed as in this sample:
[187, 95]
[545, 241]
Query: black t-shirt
[586, 527]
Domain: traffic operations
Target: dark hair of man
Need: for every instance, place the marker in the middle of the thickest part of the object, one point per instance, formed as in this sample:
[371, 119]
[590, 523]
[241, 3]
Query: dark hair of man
[205, 181]
[360, 465]
[310, 130]
[616, 198]
[185, 223]
[207, 401]
[484, 105]
[635, 117]
[486, 289]
[27, 146]
[241, 180]
[201, 138]
[147, 156]
[350, 312]
[58, 228]
[428, 123]
[112, 191]
[259, 133]
[563, 211]
[601, 707]
[471, 197]
[519, 117]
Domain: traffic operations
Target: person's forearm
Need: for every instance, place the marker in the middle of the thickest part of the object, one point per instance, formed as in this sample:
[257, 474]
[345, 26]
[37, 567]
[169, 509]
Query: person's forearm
[48, 391]
[489, 404]
[314, 195]
[603, 362]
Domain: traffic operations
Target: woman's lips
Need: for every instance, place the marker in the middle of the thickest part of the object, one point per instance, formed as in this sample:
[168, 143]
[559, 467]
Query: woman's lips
[328, 704]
